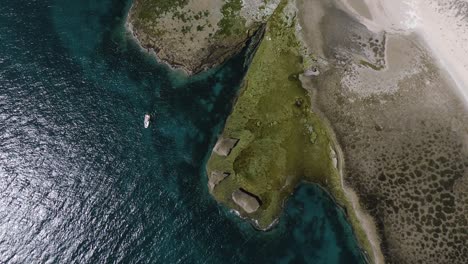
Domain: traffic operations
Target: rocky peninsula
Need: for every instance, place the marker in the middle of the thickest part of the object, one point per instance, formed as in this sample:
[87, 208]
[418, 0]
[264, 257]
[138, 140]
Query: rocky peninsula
[320, 77]
[195, 35]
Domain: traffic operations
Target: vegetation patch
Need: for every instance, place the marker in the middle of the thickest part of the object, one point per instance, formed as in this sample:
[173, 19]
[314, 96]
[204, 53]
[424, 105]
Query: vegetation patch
[232, 23]
[370, 65]
[281, 142]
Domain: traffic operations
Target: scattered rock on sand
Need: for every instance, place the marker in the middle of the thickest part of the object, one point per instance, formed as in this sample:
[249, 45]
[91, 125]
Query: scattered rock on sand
[334, 157]
[247, 201]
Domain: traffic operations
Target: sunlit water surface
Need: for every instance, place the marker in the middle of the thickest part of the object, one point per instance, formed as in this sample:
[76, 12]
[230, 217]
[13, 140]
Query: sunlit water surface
[81, 180]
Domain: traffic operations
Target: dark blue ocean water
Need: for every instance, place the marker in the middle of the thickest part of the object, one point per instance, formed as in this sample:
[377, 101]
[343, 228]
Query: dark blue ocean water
[81, 180]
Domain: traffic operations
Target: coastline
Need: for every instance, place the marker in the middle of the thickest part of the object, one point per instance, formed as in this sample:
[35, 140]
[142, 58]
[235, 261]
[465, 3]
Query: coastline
[151, 51]
[359, 218]
[364, 220]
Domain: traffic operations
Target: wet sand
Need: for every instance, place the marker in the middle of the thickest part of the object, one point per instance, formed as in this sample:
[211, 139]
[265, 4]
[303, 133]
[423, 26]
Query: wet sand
[403, 130]
[360, 7]
[442, 26]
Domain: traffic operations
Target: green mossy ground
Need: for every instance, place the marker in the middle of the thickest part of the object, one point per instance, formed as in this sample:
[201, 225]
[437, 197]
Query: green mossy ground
[371, 65]
[148, 11]
[146, 14]
[281, 141]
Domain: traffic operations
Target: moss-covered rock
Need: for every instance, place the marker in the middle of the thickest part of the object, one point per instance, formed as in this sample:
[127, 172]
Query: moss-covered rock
[245, 200]
[197, 34]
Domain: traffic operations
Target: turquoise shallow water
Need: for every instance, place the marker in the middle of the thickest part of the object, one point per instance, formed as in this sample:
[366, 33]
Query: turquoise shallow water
[81, 181]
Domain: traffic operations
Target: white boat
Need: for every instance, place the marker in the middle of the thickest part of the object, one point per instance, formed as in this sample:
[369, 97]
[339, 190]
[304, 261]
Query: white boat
[147, 120]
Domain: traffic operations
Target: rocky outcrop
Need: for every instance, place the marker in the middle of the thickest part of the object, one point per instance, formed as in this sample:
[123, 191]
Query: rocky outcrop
[224, 146]
[311, 72]
[247, 201]
[215, 177]
[197, 34]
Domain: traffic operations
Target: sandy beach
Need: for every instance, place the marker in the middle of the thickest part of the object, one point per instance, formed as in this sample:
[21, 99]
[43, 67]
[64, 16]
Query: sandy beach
[442, 25]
